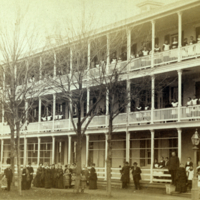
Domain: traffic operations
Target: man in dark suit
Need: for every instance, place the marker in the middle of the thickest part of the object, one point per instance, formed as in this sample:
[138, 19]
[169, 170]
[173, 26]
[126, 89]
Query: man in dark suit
[31, 171]
[136, 171]
[173, 165]
[9, 175]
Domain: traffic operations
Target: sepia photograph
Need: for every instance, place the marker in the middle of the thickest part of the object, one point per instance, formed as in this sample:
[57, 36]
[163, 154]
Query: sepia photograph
[99, 99]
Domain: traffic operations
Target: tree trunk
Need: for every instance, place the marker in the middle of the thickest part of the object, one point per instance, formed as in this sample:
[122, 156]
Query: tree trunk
[109, 156]
[18, 162]
[78, 158]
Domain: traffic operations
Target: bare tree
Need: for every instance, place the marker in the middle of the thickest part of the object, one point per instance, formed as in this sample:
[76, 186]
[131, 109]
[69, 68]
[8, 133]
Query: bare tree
[19, 80]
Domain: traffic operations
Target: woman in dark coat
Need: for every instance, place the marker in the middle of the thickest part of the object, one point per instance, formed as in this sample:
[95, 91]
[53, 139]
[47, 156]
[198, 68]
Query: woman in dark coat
[60, 177]
[93, 179]
[37, 178]
[136, 171]
[181, 179]
[25, 178]
[125, 175]
[47, 177]
[53, 176]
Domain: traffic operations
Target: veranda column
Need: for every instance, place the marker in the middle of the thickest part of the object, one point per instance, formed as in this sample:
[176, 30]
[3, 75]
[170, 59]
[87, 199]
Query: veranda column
[39, 113]
[107, 107]
[179, 143]
[152, 97]
[25, 149]
[26, 111]
[128, 44]
[53, 149]
[108, 53]
[106, 154]
[2, 143]
[69, 148]
[152, 154]
[70, 103]
[87, 150]
[88, 60]
[54, 67]
[38, 156]
[179, 94]
[128, 108]
[40, 69]
[127, 145]
[153, 42]
[54, 111]
[179, 35]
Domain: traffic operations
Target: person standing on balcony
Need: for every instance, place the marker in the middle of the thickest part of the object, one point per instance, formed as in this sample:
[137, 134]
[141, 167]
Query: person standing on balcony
[156, 51]
[173, 165]
[145, 52]
[125, 175]
[198, 45]
[166, 47]
[191, 47]
[174, 111]
[136, 171]
[194, 108]
[174, 46]
[188, 109]
[184, 50]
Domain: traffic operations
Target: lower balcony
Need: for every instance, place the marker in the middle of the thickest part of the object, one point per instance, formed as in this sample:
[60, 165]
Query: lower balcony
[164, 115]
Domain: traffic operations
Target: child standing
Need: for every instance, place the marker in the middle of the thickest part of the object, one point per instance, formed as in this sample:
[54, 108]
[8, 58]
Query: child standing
[190, 172]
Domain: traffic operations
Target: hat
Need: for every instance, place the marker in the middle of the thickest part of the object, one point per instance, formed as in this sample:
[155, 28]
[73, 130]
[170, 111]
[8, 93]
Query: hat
[135, 163]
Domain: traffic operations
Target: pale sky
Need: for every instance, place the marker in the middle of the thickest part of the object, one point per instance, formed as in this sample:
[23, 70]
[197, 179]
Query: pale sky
[49, 15]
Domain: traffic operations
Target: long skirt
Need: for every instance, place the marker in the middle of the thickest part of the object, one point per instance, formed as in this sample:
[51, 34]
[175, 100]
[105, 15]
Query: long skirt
[3, 183]
[67, 180]
[92, 184]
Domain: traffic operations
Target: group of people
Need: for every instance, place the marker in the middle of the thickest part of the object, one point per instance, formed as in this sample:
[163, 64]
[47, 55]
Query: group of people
[125, 175]
[55, 177]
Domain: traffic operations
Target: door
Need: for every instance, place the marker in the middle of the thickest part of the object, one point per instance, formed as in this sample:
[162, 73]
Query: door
[197, 31]
[197, 89]
[134, 49]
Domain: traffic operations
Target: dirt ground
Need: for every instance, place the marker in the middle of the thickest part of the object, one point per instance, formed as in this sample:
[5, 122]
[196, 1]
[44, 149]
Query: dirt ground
[99, 194]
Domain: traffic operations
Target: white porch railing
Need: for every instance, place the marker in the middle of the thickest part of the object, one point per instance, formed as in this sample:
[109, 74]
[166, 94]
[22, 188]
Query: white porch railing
[140, 117]
[190, 112]
[165, 114]
[190, 51]
[98, 121]
[120, 119]
[61, 124]
[46, 126]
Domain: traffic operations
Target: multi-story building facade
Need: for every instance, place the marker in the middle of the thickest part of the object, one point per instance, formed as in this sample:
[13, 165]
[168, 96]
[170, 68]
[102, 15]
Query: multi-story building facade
[140, 136]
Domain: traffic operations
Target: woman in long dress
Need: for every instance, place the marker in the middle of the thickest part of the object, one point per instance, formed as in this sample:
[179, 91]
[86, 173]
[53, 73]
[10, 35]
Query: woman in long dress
[93, 179]
[60, 177]
[25, 178]
[181, 179]
[38, 177]
[47, 175]
[67, 177]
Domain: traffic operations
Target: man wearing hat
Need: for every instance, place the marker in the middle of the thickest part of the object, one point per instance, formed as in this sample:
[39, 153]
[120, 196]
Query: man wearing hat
[9, 175]
[136, 171]
[31, 171]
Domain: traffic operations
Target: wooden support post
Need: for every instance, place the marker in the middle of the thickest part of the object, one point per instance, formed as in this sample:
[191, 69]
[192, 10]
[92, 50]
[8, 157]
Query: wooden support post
[53, 150]
[152, 155]
[38, 156]
[179, 94]
[152, 97]
[87, 150]
[179, 143]
[69, 148]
